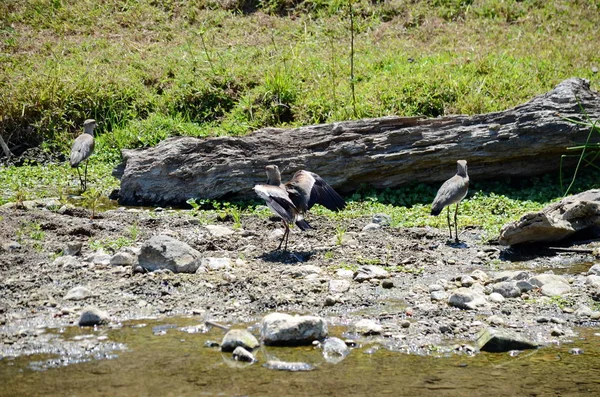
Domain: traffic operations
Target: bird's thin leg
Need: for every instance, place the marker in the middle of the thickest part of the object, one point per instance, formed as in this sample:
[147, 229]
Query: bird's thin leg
[455, 222]
[85, 178]
[80, 180]
[282, 238]
[287, 235]
[448, 216]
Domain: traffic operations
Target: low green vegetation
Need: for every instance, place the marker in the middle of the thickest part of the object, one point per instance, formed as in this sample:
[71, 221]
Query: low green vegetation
[148, 70]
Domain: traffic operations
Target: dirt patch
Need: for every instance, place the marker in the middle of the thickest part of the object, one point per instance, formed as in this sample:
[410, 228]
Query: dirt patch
[260, 280]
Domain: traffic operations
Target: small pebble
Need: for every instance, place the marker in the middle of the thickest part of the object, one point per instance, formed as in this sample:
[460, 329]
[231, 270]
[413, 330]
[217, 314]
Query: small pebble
[576, 351]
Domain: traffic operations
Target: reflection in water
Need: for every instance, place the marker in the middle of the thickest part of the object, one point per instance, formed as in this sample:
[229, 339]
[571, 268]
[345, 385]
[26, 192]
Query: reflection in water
[161, 360]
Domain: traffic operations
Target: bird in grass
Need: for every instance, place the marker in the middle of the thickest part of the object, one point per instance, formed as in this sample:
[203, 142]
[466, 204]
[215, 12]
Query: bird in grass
[452, 191]
[291, 200]
[82, 149]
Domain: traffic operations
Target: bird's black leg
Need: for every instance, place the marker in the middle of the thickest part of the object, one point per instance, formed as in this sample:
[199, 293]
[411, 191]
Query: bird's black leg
[455, 222]
[80, 180]
[286, 230]
[287, 235]
[448, 216]
[85, 178]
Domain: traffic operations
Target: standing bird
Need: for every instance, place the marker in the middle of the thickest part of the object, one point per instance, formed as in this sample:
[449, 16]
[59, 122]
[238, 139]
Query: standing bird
[452, 191]
[291, 200]
[82, 149]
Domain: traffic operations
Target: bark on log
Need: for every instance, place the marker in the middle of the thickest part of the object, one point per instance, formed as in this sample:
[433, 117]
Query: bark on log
[386, 152]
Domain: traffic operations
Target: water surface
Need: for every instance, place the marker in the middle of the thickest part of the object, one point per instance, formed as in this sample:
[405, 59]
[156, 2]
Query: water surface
[162, 358]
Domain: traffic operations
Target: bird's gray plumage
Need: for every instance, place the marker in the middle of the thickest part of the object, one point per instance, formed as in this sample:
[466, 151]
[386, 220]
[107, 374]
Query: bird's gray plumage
[82, 149]
[291, 200]
[452, 192]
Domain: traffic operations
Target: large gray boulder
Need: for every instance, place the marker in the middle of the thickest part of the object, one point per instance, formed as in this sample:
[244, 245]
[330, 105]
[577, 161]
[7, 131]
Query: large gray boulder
[284, 329]
[165, 252]
[555, 222]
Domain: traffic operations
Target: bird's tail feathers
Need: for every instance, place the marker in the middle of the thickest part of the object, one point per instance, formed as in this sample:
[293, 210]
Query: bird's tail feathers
[303, 225]
[436, 211]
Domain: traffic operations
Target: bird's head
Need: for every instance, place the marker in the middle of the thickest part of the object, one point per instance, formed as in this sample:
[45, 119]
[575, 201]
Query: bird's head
[462, 167]
[273, 175]
[89, 125]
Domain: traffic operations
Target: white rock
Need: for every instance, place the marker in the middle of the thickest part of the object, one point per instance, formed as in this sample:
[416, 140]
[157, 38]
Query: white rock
[541, 279]
[339, 286]
[593, 280]
[122, 259]
[555, 289]
[334, 350]
[583, 311]
[495, 320]
[67, 262]
[367, 327]
[439, 295]
[276, 234]
[165, 252]
[467, 281]
[219, 231]
[100, 258]
[595, 270]
[368, 272]
[280, 328]
[382, 219]
[77, 293]
[344, 273]
[371, 226]
[509, 275]
[435, 287]
[216, 263]
[73, 248]
[301, 271]
[465, 298]
[496, 297]
[480, 275]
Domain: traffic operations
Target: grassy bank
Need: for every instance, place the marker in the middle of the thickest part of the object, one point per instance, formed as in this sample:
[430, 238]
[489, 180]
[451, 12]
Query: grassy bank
[151, 69]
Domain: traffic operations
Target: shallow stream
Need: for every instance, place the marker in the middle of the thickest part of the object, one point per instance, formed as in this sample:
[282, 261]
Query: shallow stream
[169, 358]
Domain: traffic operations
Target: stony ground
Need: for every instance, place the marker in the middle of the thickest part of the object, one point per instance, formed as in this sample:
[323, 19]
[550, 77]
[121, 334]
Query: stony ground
[400, 279]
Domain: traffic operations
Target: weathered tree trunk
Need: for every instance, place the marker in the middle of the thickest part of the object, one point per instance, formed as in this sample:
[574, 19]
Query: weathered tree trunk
[383, 152]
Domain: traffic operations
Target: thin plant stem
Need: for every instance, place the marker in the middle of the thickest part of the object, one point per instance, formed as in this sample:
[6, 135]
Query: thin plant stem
[352, 58]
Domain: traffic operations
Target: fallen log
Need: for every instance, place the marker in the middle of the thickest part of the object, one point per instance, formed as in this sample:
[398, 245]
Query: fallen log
[386, 152]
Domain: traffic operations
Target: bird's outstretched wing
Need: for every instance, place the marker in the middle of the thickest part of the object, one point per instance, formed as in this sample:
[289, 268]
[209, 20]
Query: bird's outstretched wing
[318, 191]
[278, 201]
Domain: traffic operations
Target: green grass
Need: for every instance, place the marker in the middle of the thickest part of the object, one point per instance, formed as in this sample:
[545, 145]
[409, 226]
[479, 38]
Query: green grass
[148, 70]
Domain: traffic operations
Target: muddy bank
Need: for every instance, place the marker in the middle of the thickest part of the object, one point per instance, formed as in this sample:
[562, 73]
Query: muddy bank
[408, 301]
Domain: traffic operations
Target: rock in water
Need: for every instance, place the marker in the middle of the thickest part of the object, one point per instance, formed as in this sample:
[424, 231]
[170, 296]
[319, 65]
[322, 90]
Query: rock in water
[238, 337]
[555, 222]
[334, 350]
[165, 252]
[499, 340]
[283, 329]
[288, 366]
[93, 316]
[241, 354]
